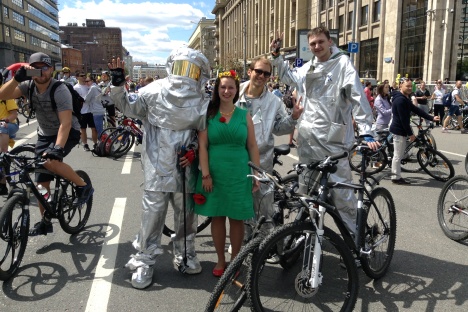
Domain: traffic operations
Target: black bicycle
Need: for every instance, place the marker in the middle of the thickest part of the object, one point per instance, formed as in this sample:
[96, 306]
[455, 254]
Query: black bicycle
[317, 281]
[288, 179]
[15, 216]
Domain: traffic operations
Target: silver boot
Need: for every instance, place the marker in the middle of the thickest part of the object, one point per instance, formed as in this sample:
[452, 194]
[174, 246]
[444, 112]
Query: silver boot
[193, 265]
[143, 277]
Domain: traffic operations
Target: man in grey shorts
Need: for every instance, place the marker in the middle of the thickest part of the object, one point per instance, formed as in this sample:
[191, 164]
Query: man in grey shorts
[58, 129]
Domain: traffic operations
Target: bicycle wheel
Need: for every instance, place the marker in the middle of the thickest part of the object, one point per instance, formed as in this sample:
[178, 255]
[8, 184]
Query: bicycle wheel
[435, 164]
[273, 289]
[14, 228]
[121, 143]
[73, 219]
[466, 163]
[285, 211]
[203, 222]
[431, 140]
[376, 162]
[410, 163]
[28, 112]
[379, 234]
[452, 208]
[230, 292]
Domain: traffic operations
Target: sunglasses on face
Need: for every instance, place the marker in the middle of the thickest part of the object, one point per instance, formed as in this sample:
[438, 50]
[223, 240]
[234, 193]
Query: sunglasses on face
[261, 72]
[82, 76]
[87, 80]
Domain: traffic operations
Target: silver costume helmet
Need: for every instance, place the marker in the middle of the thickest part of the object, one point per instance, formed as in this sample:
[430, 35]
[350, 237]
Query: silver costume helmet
[187, 62]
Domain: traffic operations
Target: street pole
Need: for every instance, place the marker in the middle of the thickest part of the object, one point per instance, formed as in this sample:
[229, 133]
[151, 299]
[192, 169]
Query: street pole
[353, 35]
[245, 44]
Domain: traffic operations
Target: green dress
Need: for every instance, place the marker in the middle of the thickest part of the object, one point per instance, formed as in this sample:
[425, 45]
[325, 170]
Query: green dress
[228, 162]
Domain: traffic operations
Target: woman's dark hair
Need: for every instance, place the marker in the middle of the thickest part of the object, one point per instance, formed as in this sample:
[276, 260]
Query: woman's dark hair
[380, 89]
[213, 107]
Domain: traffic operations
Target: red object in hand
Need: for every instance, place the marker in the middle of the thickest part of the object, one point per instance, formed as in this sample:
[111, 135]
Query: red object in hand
[199, 199]
[190, 155]
[222, 119]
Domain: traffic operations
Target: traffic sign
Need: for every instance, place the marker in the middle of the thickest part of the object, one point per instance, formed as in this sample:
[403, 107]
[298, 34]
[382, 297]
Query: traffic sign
[353, 47]
[298, 62]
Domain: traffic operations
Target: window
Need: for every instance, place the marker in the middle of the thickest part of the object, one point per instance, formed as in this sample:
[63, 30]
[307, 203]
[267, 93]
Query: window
[323, 5]
[330, 24]
[18, 3]
[19, 35]
[5, 12]
[376, 13]
[340, 23]
[18, 18]
[350, 21]
[368, 59]
[364, 16]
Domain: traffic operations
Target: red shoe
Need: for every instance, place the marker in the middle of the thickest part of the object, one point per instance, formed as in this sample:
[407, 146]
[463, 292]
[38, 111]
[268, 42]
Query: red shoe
[218, 272]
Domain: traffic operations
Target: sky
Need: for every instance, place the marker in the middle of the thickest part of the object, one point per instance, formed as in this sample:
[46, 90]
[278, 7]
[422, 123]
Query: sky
[150, 29]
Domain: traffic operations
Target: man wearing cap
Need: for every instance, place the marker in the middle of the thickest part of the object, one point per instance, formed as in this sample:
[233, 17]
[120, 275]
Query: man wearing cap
[106, 100]
[58, 130]
[67, 78]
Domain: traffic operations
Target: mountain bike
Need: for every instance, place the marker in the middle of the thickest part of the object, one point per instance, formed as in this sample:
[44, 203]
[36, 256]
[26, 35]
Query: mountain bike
[318, 282]
[15, 216]
[125, 135]
[288, 179]
[452, 208]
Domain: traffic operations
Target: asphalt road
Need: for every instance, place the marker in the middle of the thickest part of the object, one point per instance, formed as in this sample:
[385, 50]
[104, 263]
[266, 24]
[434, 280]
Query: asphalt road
[86, 272]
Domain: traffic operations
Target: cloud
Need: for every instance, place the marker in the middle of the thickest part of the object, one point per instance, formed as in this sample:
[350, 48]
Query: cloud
[150, 30]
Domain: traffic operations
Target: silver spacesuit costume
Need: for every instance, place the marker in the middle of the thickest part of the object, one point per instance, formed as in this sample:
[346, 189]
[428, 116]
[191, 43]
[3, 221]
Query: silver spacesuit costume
[331, 94]
[269, 117]
[172, 110]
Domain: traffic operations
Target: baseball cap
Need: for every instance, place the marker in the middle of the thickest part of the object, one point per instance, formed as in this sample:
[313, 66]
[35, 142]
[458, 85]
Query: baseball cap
[40, 57]
[105, 72]
[66, 70]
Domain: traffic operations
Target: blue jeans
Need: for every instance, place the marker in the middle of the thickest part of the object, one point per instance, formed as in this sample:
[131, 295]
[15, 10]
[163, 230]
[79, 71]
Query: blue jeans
[98, 123]
[11, 129]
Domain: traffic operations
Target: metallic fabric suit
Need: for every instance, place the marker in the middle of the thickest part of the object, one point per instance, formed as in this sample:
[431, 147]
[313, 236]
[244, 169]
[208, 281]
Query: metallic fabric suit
[270, 118]
[332, 94]
[172, 110]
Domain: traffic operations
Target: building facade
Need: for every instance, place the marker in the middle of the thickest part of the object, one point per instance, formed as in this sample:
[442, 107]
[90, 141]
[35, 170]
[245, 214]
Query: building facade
[418, 38]
[28, 26]
[99, 44]
[72, 58]
[203, 39]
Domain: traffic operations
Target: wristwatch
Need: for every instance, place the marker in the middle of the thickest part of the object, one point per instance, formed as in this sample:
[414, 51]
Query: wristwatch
[58, 147]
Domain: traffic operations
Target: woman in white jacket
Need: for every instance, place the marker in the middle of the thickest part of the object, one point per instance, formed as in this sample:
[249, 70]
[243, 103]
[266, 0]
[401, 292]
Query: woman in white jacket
[93, 98]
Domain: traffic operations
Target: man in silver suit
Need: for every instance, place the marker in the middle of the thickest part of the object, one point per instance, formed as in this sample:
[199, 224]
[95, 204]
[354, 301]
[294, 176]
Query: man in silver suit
[270, 118]
[332, 95]
[172, 110]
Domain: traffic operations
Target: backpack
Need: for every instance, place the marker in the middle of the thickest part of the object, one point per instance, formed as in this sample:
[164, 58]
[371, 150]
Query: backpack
[77, 99]
[447, 99]
[103, 145]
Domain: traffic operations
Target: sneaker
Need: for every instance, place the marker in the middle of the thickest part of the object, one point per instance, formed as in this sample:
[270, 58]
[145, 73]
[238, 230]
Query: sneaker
[193, 265]
[143, 277]
[41, 228]
[86, 147]
[445, 130]
[3, 189]
[464, 131]
[400, 181]
[83, 193]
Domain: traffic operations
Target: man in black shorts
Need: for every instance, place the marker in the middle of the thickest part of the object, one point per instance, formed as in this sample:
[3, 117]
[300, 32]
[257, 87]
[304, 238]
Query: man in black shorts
[87, 119]
[58, 130]
[106, 100]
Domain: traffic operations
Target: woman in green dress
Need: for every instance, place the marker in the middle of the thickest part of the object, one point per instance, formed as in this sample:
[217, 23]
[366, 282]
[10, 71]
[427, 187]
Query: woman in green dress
[225, 148]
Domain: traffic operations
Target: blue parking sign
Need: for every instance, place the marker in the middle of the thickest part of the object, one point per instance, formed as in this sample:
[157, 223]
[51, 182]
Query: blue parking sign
[353, 47]
[298, 62]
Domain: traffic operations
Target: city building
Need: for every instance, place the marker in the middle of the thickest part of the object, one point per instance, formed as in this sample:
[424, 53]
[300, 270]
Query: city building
[143, 70]
[27, 27]
[99, 44]
[203, 39]
[72, 58]
[418, 38]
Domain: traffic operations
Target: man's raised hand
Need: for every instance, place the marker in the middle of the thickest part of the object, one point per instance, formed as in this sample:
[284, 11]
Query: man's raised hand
[116, 67]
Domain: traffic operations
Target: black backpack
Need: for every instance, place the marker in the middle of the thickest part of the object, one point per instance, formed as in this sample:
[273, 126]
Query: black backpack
[447, 99]
[77, 99]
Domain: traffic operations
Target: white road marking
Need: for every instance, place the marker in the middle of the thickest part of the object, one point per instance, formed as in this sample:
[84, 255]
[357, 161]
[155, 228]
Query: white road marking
[26, 138]
[459, 155]
[127, 166]
[25, 124]
[102, 282]
[293, 157]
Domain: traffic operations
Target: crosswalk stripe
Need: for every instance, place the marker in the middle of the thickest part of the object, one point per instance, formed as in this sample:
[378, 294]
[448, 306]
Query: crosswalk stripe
[127, 166]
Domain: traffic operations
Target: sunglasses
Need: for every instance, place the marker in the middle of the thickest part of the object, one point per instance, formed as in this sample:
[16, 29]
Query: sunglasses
[87, 80]
[82, 76]
[261, 72]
